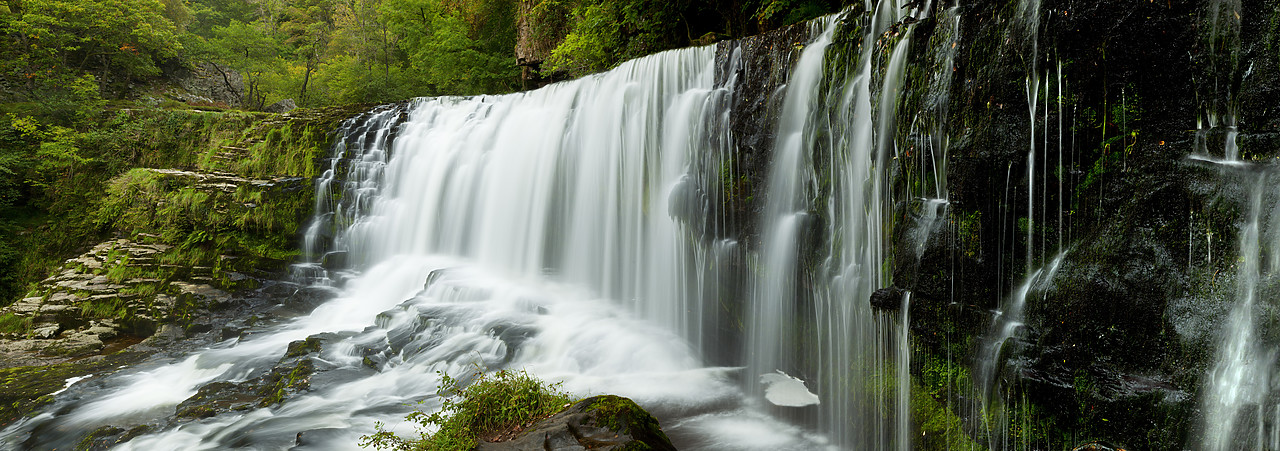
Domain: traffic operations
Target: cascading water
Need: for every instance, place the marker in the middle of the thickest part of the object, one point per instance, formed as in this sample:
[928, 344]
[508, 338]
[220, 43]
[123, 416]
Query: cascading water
[771, 331]
[850, 342]
[1236, 402]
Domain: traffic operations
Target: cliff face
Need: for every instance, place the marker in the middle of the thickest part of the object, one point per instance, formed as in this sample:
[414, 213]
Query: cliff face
[534, 40]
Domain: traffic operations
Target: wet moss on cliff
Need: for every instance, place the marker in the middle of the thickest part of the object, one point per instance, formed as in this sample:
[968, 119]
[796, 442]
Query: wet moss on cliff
[66, 217]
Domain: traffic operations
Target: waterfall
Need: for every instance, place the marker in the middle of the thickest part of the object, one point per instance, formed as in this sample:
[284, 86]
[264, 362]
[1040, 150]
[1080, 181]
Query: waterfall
[579, 231]
[843, 138]
[771, 331]
[562, 230]
[1239, 384]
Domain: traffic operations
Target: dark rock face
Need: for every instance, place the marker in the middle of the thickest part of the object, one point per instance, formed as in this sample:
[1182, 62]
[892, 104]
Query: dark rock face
[759, 67]
[1119, 346]
[601, 422]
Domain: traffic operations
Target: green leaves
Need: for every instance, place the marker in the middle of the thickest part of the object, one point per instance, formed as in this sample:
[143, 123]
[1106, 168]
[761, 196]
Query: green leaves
[602, 34]
[455, 47]
[492, 405]
[53, 41]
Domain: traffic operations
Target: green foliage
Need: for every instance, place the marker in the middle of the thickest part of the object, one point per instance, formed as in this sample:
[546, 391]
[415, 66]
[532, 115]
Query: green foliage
[248, 48]
[942, 382]
[63, 189]
[778, 13]
[14, 324]
[104, 308]
[54, 48]
[603, 33]
[456, 47]
[491, 405]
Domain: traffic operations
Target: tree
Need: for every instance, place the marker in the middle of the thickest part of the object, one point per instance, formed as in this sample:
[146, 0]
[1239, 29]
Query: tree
[367, 62]
[457, 47]
[52, 42]
[247, 48]
[308, 29]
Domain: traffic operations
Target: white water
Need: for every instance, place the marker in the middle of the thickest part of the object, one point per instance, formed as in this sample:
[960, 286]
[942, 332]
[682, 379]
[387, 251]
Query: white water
[1239, 383]
[1007, 322]
[853, 343]
[772, 338]
[902, 364]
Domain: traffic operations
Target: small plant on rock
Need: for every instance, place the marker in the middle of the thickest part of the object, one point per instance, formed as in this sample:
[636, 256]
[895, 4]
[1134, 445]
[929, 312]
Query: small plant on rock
[494, 406]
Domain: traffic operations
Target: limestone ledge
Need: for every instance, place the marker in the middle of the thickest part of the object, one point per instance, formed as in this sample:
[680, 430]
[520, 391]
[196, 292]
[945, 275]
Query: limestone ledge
[114, 290]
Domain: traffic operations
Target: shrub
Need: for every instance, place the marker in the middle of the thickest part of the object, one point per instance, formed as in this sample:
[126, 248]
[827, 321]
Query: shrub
[493, 405]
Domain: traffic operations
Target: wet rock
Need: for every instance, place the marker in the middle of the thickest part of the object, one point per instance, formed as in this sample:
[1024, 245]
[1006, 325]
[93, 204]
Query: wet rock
[47, 331]
[765, 66]
[102, 332]
[291, 375]
[198, 328]
[889, 298]
[319, 438]
[334, 260]
[74, 344]
[216, 397]
[229, 332]
[601, 422]
[101, 438]
[303, 347]
[167, 333]
[305, 299]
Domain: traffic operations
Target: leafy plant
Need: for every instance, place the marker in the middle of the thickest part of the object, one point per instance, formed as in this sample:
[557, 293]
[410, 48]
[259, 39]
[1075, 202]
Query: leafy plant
[494, 404]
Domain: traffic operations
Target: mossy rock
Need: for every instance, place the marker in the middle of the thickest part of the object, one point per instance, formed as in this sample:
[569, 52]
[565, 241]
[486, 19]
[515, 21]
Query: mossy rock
[300, 348]
[605, 422]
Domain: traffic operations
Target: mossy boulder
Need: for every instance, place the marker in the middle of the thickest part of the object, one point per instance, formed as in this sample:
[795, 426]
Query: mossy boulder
[605, 422]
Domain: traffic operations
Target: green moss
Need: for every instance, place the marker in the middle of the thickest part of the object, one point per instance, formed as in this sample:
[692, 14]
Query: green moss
[303, 347]
[99, 438]
[110, 193]
[623, 415]
[284, 381]
[14, 324]
[104, 308]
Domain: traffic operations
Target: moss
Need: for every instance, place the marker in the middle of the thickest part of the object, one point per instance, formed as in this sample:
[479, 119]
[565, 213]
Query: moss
[113, 195]
[282, 381]
[303, 347]
[623, 415]
[100, 438]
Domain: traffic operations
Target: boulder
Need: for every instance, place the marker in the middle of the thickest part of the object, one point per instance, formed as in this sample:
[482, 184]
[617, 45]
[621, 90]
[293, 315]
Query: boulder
[283, 106]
